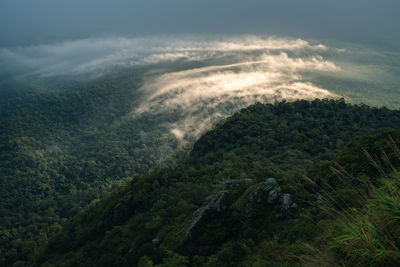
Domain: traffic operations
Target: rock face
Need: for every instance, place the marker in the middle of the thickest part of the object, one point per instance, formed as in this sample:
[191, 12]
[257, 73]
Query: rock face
[270, 180]
[239, 205]
[274, 195]
[286, 200]
[213, 205]
[156, 243]
[256, 193]
[231, 183]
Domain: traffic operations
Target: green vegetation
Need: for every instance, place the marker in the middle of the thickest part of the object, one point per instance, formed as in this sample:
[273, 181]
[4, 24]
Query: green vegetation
[174, 216]
[62, 149]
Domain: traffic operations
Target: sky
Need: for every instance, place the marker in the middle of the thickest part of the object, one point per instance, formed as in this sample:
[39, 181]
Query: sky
[28, 22]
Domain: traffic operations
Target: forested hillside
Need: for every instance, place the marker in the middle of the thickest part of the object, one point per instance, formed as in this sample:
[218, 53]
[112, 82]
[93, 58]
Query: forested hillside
[61, 149]
[260, 188]
[199, 133]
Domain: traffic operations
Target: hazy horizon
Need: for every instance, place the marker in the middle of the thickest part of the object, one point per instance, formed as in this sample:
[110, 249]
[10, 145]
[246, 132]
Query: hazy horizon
[24, 23]
[203, 58]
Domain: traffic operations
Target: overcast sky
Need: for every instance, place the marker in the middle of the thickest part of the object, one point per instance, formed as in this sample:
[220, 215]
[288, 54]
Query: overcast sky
[25, 22]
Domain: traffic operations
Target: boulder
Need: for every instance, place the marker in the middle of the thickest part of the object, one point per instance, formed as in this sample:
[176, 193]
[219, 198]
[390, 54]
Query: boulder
[286, 201]
[271, 180]
[231, 183]
[156, 243]
[273, 195]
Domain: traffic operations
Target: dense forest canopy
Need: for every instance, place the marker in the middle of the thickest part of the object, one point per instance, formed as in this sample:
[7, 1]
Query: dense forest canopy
[76, 132]
[199, 133]
[287, 141]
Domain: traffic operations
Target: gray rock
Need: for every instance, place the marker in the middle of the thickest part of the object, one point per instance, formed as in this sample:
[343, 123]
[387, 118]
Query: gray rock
[245, 222]
[273, 196]
[227, 184]
[198, 215]
[156, 243]
[271, 180]
[286, 201]
[268, 188]
[214, 204]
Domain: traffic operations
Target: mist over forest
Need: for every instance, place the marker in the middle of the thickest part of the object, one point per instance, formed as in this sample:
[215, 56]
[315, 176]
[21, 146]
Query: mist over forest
[205, 78]
[210, 133]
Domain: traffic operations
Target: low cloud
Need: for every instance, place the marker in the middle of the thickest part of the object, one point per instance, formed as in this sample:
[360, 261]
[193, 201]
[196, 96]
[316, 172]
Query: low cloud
[219, 75]
[89, 56]
[203, 95]
[237, 71]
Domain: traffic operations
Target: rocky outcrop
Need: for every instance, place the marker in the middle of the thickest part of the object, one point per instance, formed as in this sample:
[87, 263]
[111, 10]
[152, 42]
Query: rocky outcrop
[213, 205]
[247, 203]
[286, 201]
[156, 243]
[241, 204]
[261, 196]
[273, 195]
[232, 183]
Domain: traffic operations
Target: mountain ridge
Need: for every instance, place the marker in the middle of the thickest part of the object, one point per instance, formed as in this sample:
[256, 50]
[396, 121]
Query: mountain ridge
[152, 211]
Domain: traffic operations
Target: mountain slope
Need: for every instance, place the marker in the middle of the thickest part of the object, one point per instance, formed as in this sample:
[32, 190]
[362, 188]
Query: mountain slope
[62, 148]
[153, 218]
